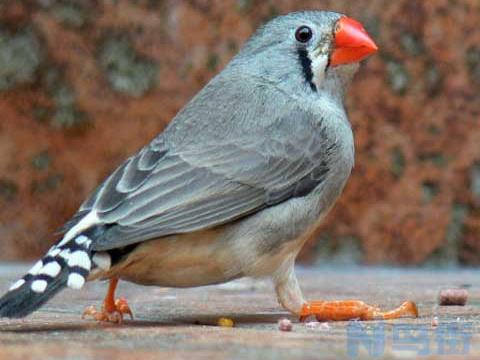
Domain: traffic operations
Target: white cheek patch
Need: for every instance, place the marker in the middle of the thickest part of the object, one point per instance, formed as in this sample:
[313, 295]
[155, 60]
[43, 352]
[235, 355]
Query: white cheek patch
[319, 65]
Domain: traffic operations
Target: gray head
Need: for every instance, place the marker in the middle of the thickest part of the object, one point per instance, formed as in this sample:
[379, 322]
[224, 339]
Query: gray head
[310, 51]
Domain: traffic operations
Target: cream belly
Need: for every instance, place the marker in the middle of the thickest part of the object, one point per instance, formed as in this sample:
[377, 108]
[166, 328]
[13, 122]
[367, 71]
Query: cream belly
[184, 260]
[256, 246]
[195, 259]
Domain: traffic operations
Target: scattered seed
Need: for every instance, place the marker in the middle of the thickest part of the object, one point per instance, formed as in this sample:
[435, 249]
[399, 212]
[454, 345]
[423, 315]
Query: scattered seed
[225, 322]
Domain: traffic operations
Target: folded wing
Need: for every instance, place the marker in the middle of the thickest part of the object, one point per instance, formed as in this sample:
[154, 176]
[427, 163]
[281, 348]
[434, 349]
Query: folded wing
[162, 191]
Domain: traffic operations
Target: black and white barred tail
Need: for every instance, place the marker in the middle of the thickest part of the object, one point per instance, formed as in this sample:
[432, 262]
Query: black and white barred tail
[65, 264]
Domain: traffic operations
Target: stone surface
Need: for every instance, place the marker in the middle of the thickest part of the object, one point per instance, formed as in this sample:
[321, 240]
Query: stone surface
[182, 324]
[90, 82]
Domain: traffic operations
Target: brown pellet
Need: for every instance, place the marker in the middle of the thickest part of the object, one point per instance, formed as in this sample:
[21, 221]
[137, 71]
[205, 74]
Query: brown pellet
[453, 297]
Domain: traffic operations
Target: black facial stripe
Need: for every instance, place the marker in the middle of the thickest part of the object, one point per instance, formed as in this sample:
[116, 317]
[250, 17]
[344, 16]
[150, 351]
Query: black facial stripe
[306, 67]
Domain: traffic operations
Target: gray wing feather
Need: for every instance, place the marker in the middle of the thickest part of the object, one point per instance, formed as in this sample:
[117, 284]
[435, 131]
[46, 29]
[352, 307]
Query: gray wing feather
[162, 191]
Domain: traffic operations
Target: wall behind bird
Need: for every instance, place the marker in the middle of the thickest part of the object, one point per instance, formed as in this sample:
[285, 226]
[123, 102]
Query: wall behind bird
[85, 84]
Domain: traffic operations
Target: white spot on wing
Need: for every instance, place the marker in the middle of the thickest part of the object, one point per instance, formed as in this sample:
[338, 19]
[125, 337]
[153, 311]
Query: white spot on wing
[39, 286]
[75, 281]
[102, 260]
[17, 284]
[36, 268]
[87, 221]
[51, 269]
[79, 258]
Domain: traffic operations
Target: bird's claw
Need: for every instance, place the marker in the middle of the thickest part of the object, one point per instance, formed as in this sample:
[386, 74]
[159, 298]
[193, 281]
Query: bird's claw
[122, 307]
[114, 315]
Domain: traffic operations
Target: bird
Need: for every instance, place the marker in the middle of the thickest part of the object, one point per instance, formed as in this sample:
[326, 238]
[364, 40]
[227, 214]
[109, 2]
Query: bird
[233, 187]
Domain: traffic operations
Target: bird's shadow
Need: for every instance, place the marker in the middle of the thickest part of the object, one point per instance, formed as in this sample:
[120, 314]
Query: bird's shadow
[24, 326]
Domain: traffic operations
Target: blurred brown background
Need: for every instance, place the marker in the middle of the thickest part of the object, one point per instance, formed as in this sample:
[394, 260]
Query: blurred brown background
[83, 84]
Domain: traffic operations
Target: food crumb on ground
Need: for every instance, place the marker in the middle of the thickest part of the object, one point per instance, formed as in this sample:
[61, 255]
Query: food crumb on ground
[285, 325]
[225, 322]
[453, 297]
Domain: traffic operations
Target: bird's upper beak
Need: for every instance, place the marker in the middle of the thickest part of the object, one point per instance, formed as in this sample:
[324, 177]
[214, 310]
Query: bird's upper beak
[352, 42]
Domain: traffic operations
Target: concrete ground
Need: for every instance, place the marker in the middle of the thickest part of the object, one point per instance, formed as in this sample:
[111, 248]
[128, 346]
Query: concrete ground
[182, 323]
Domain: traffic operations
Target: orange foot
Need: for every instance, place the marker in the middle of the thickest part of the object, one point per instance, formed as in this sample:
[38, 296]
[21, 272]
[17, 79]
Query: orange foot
[115, 315]
[112, 310]
[354, 309]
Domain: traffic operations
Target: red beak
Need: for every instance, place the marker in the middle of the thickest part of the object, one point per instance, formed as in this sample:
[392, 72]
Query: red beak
[352, 43]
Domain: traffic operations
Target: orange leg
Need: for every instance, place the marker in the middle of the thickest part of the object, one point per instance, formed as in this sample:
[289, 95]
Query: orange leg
[112, 309]
[354, 309]
[290, 297]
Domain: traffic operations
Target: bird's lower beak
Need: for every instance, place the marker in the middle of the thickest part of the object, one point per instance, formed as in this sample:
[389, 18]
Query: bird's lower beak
[352, 42]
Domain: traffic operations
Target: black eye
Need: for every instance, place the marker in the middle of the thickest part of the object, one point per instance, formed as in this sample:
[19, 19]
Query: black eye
[303, 34]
